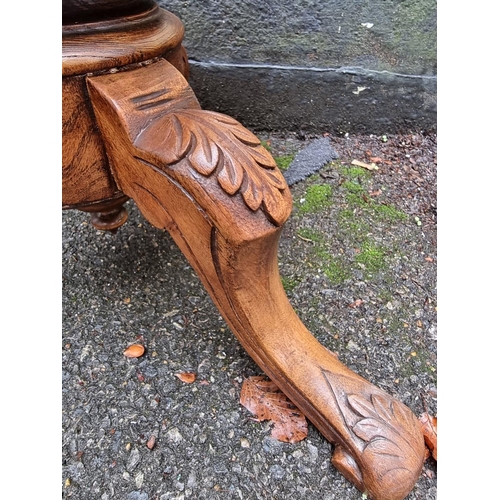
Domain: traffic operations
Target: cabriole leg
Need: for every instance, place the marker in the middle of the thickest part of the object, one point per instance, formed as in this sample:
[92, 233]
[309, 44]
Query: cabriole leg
[207, 180]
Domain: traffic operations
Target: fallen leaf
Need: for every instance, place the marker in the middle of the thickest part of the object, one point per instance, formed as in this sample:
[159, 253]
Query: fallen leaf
[134, 351]
[429, 429]
[187, 377]
[364, 165]
[263, 398]
[356, 303]
[376, 159]
[151, 442]
[377, 192]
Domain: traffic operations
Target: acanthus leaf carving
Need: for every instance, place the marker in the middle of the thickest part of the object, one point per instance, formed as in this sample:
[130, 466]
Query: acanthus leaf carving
[215, 144]
[380, 431]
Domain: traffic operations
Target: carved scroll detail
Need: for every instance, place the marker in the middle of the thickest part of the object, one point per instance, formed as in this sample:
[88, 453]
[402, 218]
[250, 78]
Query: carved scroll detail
[215, 144]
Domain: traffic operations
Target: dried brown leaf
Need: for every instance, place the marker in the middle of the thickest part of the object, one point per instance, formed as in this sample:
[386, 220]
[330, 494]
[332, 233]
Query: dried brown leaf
[263, 398]
[187, 377]
[134, 351]
[429, 429]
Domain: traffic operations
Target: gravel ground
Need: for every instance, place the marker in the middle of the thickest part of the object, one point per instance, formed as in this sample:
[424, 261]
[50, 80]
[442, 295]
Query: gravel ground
[360, 269]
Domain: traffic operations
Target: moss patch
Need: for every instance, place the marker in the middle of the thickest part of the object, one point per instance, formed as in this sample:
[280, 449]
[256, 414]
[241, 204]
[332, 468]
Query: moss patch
[360, 219]
[289, 283]
[354, 182]
[355, 173]
[336, 271]
[316, 198]
[266, 145]
[311, 235]
[371, 256]
[389, 212]
[334, 267]
[284, 161]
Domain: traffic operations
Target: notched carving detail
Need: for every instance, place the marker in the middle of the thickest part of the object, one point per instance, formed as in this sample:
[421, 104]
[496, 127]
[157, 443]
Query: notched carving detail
[215, 144]
[385, 445]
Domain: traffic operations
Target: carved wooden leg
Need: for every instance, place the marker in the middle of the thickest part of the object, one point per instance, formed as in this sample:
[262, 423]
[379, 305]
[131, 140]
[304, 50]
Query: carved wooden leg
[208, 181]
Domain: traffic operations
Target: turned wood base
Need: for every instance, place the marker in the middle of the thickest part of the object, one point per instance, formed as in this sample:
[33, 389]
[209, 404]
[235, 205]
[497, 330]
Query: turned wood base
[207, 180]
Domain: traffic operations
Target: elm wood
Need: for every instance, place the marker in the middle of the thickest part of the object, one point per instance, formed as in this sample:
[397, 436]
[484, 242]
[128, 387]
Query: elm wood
[108, 215]
[122, 35]
[118, 42]
[207, 180]
[86, 177]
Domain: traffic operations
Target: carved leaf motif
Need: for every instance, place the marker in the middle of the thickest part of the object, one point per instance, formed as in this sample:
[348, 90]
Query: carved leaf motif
[387, 427]
[216, 144]
[384, 418]
[205, 155]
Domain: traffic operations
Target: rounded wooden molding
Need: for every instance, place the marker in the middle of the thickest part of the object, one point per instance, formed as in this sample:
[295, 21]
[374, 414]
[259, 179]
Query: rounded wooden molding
[103, 45]
[109, 221]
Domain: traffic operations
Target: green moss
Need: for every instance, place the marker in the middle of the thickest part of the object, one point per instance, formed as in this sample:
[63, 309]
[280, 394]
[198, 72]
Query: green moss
[311, 235]
[389, 212]
[418, 361]
[336, 271]
[265, 145]
[353, 224]
[384, 295]
[358, 196]
[333, 267]
[371, 256]
[284, 161]
[355, 173]
[414, 32]
[346, 214]
[316, 198]
[289, 283]
[356, 193]
[353, 187]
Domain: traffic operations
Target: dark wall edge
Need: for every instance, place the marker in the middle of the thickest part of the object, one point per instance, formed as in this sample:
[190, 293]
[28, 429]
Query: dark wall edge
[316, 100]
